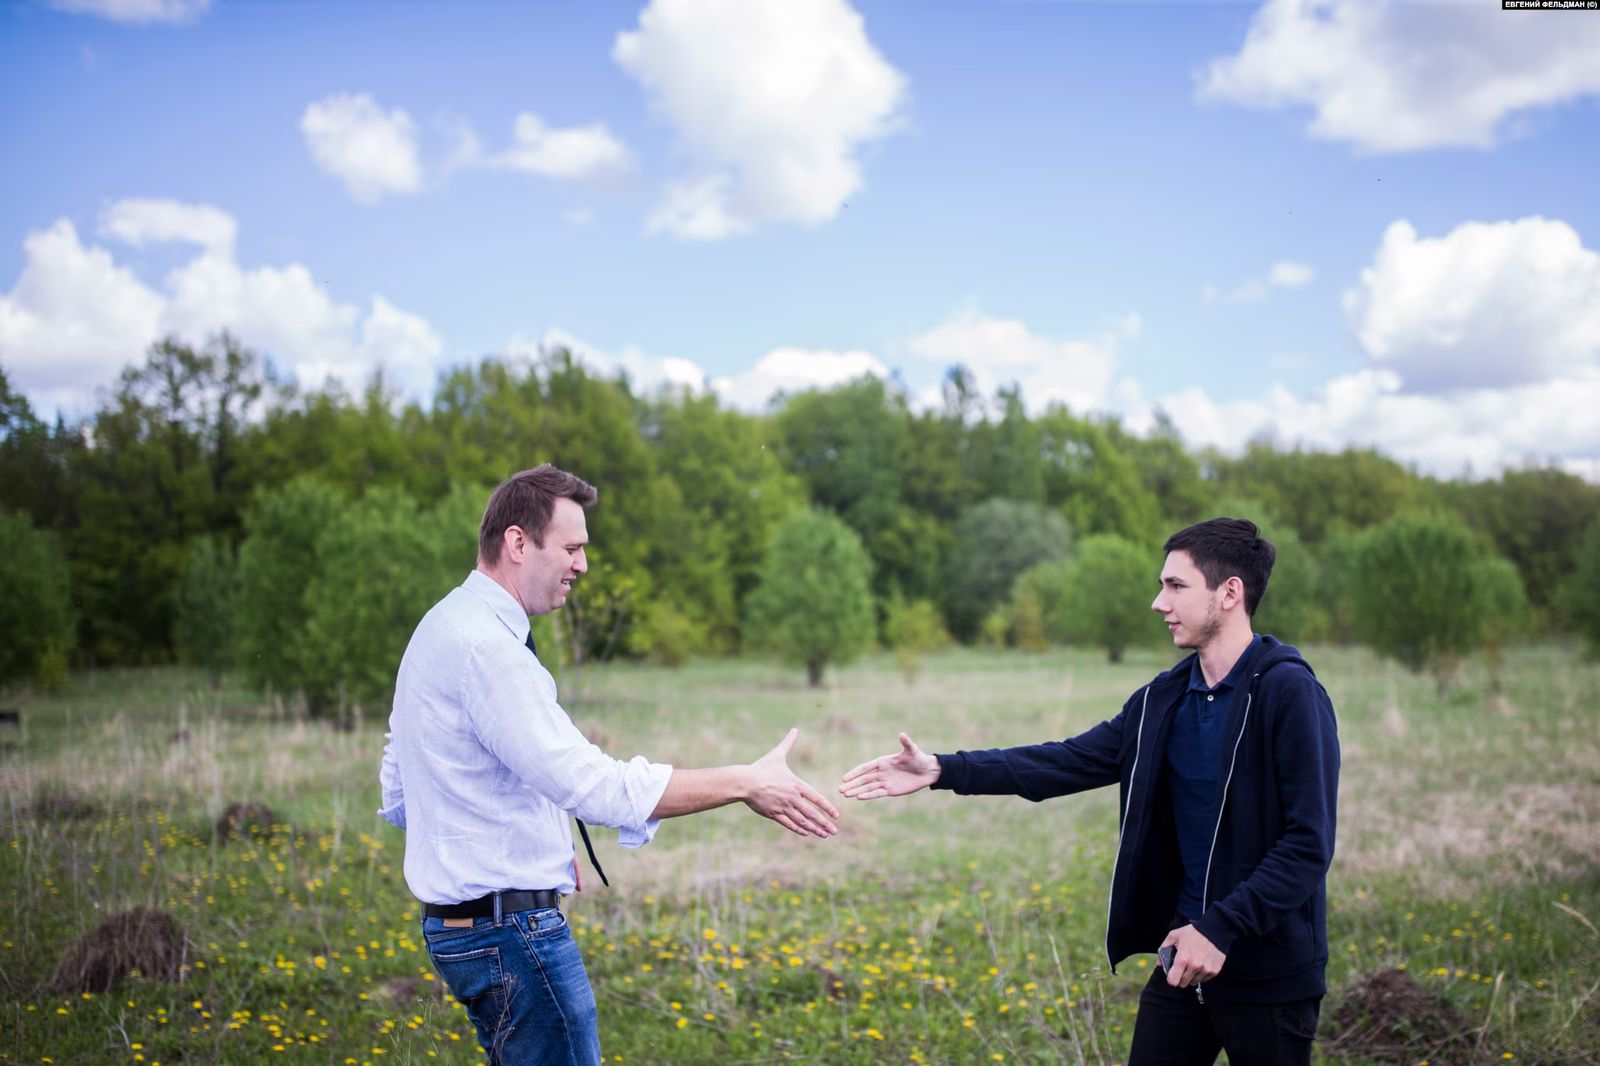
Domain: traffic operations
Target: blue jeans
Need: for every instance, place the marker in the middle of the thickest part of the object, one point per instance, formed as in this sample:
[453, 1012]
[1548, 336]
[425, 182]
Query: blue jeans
[524, 986]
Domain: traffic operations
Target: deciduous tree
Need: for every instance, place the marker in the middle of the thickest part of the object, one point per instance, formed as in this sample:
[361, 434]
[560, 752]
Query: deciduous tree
[1108, 594]
[814, 602]
[36, 607]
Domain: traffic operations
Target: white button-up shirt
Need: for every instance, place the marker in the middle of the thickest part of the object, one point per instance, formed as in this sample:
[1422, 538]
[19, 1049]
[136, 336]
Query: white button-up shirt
[484, 770]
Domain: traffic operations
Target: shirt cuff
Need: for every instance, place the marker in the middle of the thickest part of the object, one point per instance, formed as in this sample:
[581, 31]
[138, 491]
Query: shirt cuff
[632, 836]
[646, 791]
[394, 815]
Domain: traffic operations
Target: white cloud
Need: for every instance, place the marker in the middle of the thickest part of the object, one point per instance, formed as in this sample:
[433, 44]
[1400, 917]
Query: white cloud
[139, 222]
[372, 151]
[135, 11]
[795, 370]
[698, 209]
[646, 373]
[75, 318]
[1284, 274]
[1485, 346]
[1503, 303]
[772, 99]
[1287, 274]
[1476, 430]
[1000, 351]
[1395, 77]
[577, 152]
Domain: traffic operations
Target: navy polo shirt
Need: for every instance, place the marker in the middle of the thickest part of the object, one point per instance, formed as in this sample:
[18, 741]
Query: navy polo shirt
[1194, 755]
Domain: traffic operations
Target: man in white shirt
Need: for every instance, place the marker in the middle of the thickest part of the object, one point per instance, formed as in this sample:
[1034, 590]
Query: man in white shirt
[484, 771]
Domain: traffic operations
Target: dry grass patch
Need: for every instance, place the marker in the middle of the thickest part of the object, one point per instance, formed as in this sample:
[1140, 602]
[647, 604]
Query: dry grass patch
[143, 942]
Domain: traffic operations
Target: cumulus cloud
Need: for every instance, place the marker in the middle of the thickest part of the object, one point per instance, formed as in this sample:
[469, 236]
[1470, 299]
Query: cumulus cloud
[1485, 351]
[795, 370]
[646, 373]
[1397, 77]
[1284, 274]
[372, 151]
[139, 222]
[135, 11]
[75, 317]
[1488, 304]
[377, 153]
[1000, 351]
[1480, 431]
[772, 99]
[573, 153]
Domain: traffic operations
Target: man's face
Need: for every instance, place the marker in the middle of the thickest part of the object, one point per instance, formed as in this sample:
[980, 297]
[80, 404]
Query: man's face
[1193, 613]
[548, 572]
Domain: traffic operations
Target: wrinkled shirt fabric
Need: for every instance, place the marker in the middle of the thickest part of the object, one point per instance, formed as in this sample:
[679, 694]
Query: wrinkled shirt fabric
[483, 768]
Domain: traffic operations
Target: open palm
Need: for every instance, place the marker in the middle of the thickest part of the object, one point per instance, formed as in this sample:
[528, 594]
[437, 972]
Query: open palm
[900, 774]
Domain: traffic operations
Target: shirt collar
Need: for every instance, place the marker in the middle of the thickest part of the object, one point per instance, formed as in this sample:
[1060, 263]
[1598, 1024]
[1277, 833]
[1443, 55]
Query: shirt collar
[1197, 676]
[501, 602]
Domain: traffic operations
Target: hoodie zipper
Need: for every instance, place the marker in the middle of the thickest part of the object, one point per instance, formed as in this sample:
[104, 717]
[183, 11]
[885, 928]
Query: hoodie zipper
[1138, 743]
[1233, 760]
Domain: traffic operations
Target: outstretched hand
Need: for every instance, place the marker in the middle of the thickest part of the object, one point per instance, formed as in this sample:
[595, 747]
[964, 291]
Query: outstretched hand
[775, 792]
[900, 774]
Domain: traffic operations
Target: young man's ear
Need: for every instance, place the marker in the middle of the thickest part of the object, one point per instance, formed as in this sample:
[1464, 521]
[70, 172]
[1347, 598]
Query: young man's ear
[1233, 592]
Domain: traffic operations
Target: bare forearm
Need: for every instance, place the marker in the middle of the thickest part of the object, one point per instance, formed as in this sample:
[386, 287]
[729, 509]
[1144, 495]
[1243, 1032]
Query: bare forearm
[692, 791]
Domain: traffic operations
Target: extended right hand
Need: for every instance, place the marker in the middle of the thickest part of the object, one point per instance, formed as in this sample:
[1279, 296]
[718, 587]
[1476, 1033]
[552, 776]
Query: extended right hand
[900, 774]
[775, 792]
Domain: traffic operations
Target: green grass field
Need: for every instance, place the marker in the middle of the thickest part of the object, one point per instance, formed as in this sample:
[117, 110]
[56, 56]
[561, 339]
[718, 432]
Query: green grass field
[932, 929]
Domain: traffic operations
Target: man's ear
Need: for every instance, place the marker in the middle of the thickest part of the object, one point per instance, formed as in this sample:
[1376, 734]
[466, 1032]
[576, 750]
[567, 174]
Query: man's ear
[515, 544]
[1232, 593]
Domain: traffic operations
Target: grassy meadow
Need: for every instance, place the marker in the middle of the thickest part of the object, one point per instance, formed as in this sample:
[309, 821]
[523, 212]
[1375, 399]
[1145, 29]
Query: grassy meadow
[932, 929]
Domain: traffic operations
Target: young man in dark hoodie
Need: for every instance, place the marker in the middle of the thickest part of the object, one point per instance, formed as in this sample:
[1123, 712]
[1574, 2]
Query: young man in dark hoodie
[1229, 772]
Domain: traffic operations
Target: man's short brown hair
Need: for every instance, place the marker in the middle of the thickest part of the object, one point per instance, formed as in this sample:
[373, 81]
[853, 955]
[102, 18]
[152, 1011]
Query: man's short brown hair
[527, 500]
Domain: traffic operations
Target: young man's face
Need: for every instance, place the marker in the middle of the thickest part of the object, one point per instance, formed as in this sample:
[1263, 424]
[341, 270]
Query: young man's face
[548, 572]
[1193, 613]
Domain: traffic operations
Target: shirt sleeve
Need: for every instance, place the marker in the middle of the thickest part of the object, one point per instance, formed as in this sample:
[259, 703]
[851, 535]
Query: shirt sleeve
[516, 716]
[393, 799]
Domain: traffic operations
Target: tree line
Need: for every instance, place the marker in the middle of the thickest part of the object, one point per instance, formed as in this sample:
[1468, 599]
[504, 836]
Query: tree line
[209, 512]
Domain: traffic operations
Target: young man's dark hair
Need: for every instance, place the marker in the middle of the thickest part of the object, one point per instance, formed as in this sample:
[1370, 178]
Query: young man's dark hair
[1229, 547]
[526, 500]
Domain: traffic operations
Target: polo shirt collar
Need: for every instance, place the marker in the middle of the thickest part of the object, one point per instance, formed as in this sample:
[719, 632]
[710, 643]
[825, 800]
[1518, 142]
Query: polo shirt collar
[1197, 676]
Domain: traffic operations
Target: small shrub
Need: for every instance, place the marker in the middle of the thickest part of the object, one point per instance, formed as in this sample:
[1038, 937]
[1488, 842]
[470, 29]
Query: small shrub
[668, 636]
[913, 628]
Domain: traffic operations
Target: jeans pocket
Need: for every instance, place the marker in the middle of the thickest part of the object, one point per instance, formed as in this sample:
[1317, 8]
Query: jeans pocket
[543, 923]
[477, 980]
[1298, 1020]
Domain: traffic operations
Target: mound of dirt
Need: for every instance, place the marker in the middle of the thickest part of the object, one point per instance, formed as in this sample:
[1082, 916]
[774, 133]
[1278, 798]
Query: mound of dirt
[1389, 1017]
[246, 818]
[56, 802]
[143, 942]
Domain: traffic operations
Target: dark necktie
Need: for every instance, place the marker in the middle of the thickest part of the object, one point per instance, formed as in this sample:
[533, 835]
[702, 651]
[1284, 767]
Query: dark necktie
[583, 830]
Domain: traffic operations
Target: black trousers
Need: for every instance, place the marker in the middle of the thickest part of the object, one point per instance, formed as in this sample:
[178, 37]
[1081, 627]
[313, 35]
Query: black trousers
[1175, 1029]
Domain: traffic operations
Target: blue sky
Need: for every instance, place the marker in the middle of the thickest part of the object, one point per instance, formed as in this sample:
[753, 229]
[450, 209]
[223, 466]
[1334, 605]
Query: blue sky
[1323, 222]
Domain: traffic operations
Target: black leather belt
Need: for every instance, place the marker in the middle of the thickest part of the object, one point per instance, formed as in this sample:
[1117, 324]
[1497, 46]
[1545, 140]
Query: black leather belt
[532, 899]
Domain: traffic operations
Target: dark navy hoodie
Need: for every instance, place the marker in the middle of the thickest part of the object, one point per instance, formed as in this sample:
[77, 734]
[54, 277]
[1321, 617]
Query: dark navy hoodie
[1277, 790]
